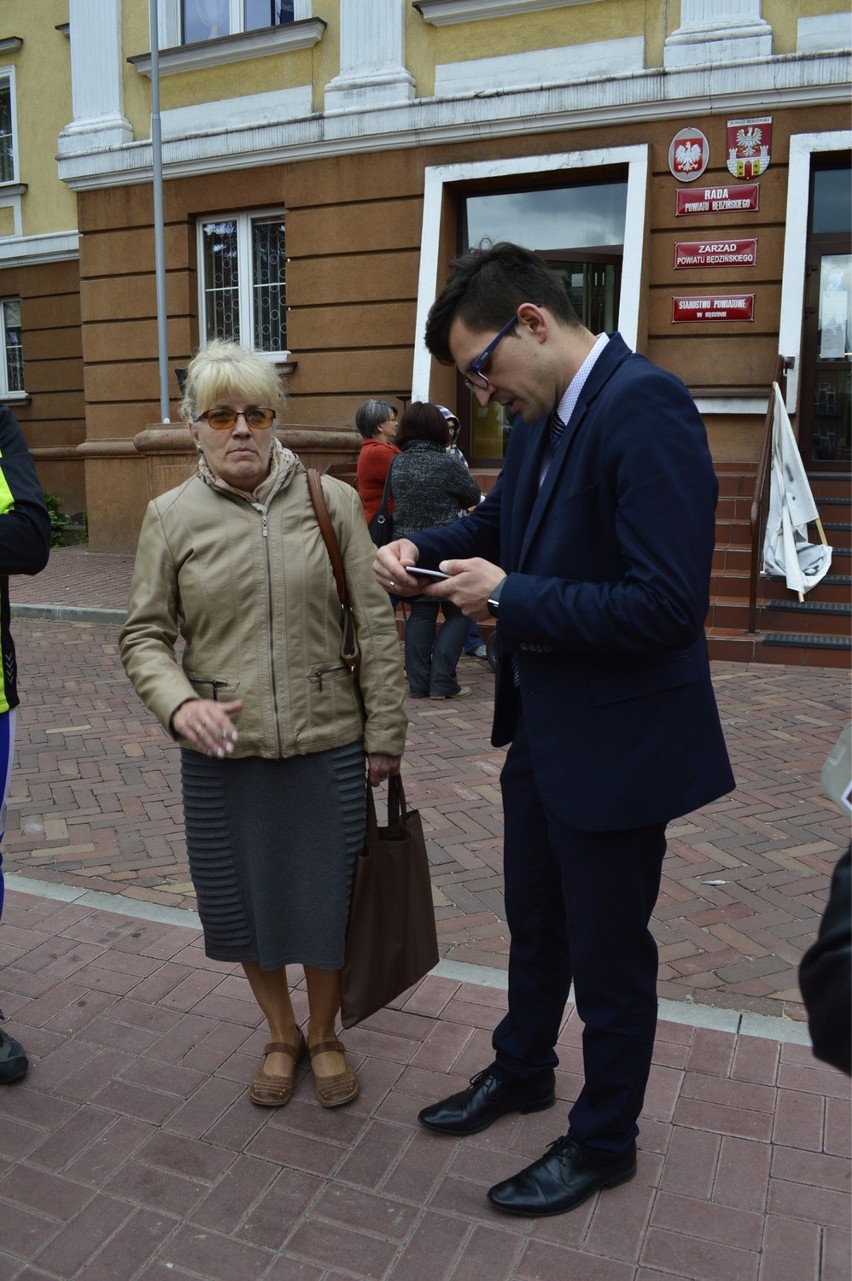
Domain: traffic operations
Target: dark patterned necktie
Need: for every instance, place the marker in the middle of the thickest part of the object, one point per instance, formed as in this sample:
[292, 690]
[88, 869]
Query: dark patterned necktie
[557, 427]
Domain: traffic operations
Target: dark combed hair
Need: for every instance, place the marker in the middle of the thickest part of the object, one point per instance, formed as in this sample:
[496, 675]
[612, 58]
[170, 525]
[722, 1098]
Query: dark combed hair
[423, 421]
[370, 416]
[486, 285]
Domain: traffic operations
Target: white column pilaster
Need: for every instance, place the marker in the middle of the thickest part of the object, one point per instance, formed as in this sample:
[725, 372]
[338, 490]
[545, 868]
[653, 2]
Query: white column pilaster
[372, 57]
[96, 79]
[717, 31]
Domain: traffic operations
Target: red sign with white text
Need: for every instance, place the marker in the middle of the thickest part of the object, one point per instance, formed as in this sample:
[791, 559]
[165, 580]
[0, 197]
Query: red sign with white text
[715, 253]
[713, 307]
[743, 197]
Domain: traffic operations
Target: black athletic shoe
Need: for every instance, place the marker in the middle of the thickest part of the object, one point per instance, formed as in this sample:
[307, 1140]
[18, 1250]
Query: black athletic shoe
[13, 1060]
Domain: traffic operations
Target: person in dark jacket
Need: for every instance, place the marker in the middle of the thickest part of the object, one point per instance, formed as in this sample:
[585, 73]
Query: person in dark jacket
[825, 974]
[24, 549]
[592, 552]
[474, 645]
[430, 487]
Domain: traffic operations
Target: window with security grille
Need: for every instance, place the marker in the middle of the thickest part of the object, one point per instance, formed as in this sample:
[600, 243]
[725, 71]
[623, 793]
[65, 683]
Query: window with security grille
[12, 364]
[242, 272]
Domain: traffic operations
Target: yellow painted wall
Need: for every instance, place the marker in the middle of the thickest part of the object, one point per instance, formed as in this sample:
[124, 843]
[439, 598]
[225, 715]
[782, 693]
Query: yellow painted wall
[523, 32]
[234, 80]
[426, 46]
[43, 103]
[783, 16]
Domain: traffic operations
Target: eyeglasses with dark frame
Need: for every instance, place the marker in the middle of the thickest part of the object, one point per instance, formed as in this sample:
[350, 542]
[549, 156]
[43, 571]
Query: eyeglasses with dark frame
[473, 378]
[222, 419]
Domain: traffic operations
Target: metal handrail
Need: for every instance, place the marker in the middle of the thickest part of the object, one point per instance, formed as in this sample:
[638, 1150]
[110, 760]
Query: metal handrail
[760, 501]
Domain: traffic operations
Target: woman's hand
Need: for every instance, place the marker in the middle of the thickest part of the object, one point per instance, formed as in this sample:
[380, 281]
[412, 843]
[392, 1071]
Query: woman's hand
[206, 724]
[388, 568]
[381, 766]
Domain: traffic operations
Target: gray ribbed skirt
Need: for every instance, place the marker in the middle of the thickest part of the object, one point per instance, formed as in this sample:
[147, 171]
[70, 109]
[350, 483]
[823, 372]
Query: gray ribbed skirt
[272, 847]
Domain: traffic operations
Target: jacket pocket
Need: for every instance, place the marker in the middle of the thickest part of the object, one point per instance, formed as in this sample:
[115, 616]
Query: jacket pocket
[215, 687]
[324, 674]
[621, 686]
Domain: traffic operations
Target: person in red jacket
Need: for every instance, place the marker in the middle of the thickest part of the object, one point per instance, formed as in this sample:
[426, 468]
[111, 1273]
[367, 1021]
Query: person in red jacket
[376, 421]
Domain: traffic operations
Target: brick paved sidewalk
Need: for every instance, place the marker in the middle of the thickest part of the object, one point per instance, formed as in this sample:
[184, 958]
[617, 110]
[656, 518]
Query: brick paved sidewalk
[132, 1153]
[95, 801]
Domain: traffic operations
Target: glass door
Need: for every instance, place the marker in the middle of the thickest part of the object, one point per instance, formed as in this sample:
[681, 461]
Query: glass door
[825, 425]
[588, 217]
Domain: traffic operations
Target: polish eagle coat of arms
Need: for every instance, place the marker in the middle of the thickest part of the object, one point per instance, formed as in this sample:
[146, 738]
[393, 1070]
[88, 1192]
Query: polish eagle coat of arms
[689, 152]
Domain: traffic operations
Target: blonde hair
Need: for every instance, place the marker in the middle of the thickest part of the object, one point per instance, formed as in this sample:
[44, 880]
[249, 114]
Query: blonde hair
[225, 368]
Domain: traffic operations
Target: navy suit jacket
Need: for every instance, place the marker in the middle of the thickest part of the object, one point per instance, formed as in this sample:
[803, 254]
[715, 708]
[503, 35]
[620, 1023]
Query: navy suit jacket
[608, 564]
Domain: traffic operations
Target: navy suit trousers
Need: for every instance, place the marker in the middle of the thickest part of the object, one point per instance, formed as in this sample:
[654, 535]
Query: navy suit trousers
[578, 906]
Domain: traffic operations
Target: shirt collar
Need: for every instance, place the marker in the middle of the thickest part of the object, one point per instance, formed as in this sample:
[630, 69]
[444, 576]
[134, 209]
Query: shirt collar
[571, 395]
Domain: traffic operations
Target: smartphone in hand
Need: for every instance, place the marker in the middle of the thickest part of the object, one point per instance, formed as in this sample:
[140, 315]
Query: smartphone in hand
[436, 575]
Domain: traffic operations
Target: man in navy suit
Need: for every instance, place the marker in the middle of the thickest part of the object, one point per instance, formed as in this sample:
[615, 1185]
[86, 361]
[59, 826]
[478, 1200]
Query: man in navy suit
[593, 554]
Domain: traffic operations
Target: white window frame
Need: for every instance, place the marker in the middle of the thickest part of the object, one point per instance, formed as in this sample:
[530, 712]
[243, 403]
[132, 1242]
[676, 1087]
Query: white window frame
[168, 19]
[245, 270]
[7, 75]
[7, 393]
[636, 159]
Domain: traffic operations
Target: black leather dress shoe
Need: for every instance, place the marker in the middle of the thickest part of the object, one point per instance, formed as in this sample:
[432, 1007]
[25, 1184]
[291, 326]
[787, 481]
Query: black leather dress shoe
[486, 1099]
[562, 1179]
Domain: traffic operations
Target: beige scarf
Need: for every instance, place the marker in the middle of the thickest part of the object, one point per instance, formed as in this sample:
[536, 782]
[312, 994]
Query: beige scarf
[282, 464]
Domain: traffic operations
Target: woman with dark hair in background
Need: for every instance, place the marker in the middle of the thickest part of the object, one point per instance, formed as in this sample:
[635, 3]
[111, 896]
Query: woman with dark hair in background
[376, 421]
[430, 486]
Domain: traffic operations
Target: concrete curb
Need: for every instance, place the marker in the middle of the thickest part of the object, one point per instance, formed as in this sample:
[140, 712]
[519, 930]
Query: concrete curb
[687, 1013]
[70, 613]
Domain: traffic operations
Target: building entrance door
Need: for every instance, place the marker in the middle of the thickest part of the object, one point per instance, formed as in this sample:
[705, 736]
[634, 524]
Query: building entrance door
[579, 232]
[825, 411]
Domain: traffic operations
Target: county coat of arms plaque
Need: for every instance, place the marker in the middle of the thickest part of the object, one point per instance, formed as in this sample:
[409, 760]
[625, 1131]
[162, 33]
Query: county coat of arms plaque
[749, 146]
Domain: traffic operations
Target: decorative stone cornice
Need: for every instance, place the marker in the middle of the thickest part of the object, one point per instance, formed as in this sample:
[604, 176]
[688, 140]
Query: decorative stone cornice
[11, 44]
[759, 85]
[443, 13]
[57, 246]
[234, 48]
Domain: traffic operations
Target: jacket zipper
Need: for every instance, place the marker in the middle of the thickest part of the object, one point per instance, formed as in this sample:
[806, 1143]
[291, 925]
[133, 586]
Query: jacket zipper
[264, 516]
[214, 683]
[319, 672]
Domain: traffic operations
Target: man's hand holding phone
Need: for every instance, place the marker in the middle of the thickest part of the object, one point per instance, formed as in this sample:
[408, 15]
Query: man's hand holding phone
[467, 583]
[430, 575]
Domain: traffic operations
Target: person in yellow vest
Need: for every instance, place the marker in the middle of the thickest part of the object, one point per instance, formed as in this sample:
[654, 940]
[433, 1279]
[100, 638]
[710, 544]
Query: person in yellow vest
[24, 549]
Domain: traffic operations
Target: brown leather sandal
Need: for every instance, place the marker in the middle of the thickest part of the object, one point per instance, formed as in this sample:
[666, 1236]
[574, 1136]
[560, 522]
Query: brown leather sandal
[334, 1091]
[274, 1091]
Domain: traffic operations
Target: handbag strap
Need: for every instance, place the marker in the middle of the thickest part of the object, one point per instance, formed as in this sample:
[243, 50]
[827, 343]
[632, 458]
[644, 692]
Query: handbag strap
[387, 492]
[397, 808]
[329, 536]
[348, 648]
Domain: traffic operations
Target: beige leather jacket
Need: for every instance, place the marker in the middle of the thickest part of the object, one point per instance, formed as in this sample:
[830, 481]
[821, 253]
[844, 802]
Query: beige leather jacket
[251, 591]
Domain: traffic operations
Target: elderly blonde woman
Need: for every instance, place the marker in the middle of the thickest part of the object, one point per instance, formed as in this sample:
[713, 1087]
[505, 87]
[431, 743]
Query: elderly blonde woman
[277, 739]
